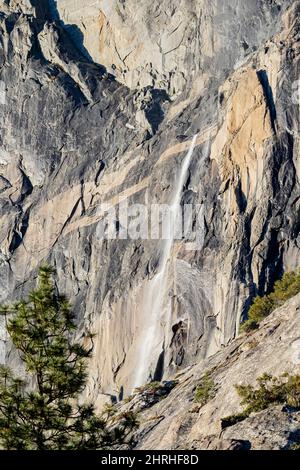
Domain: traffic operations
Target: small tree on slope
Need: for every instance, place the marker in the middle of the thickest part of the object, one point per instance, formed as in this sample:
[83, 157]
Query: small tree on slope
[42, 412]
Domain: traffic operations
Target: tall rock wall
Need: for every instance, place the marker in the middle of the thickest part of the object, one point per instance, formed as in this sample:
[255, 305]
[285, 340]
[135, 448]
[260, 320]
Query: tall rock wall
[77, 132]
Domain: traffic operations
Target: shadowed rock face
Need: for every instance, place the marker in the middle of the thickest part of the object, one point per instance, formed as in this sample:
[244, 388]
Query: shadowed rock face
[73, 136]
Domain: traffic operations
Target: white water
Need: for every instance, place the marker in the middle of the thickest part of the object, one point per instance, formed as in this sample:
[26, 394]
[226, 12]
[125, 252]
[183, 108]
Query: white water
[153, 302]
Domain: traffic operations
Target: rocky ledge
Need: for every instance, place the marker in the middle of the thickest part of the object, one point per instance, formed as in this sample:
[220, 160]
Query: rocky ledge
[175, 420]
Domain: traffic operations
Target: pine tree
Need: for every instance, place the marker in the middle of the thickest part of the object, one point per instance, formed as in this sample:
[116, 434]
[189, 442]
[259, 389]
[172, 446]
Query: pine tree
[41, 411]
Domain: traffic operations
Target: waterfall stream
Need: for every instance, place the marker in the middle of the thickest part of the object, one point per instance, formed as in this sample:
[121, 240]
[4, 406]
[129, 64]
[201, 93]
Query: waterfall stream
[153, 302]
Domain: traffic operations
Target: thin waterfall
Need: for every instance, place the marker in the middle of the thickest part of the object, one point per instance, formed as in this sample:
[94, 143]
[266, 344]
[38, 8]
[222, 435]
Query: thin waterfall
[153, 302]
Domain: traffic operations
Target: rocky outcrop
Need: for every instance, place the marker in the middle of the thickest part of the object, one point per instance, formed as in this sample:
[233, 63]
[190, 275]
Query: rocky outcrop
[173, 46]
[273, 429]
[77, 133]
[178, 422]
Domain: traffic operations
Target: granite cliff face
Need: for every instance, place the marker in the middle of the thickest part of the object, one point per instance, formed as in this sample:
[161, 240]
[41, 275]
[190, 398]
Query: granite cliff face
[99, 104]
[177, 421]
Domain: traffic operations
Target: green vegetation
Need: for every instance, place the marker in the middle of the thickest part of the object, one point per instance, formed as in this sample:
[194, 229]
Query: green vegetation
[295, 446]
[128, 399]
[205, 390]
[284, 289]
[151, 387]
[153, 392]
[39, 410]
[271, 391]
[232, 420]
